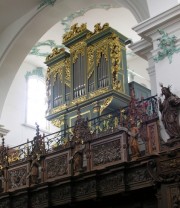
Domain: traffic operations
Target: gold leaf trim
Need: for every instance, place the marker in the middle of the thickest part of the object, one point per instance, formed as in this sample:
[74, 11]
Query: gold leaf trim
[74, 31]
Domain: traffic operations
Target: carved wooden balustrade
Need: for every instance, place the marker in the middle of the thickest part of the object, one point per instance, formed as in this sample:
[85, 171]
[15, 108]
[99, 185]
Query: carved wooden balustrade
[89, 145]
[92, 160]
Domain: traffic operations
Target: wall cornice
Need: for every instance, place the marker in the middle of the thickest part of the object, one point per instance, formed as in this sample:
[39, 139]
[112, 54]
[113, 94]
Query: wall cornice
[152, 24]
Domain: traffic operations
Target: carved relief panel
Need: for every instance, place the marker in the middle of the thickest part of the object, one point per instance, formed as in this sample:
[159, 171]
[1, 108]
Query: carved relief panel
[17, 177]
[39, 199]
[105, 152]
[111, 184]
[5, 203]
[57, 166]
[85, 189]
[137, 177]
[20, 202]
[152, 134]
[61, 195]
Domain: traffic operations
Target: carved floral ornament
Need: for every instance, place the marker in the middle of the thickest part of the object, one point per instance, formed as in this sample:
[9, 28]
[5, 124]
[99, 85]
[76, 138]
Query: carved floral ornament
[167, 47]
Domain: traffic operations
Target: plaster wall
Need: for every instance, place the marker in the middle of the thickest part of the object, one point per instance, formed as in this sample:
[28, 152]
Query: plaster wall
[14, 111]
[156, 7]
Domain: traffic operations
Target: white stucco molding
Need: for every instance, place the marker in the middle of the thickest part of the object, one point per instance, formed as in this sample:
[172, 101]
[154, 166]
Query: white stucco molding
[142, 48]
[166, 19]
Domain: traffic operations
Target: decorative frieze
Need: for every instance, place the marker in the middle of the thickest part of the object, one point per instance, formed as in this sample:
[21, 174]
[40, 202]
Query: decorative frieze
[111, 184]
[39, 199]
[85, 189]
[61, 195]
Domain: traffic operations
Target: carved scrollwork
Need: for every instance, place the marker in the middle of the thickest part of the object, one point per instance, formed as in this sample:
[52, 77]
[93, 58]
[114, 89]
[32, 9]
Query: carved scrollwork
[106, 153]
[17, 177]
[39, 199]
[111, 183]
[57, 166]
[60, 194]
[55, 52]
[85, 188]
[74, 31]
[97, 29]
[138, 175]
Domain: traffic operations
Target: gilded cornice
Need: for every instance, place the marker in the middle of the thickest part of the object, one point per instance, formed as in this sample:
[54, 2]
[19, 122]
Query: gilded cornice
[98, 92]
[78, 100]
[59, 108]
[74, 31]
[97, 29]
[55, 52]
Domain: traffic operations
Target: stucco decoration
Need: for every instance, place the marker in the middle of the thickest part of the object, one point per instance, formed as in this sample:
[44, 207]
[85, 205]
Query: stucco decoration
[36, 50]
[46, 3]
[67, 20]
[37, 72]
[167, 47]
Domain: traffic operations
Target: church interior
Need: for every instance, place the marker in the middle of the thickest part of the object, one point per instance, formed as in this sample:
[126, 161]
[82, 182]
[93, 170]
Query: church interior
[89, 103]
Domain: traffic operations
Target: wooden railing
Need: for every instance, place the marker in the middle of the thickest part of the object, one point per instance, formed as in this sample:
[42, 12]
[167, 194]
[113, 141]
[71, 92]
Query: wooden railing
[89, 145]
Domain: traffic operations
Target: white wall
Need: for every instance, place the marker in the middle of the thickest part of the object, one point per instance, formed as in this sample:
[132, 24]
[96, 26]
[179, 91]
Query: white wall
[139, 66]
[14, 111]
[158, 6]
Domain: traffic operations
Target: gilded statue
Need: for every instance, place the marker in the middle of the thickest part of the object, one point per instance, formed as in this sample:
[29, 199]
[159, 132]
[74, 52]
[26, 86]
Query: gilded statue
[169, 109]
[134, 132]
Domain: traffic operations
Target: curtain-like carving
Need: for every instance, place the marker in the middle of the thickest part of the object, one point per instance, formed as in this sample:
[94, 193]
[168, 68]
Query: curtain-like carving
[102, 72]
[79, 76]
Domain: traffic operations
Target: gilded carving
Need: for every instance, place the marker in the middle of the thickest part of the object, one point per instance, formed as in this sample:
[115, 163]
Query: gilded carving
[106, 152]
[90, 58]
[74, 31]
[67, 64]
[98, 92]
[97, 29]
[17, 177]
[78, 48]
[57, 166]
[59, 108]
[116, 58]
[103, 49]
[105, 103]
[55, 52]
[78, 100]
[57, 122]
[57, 69]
